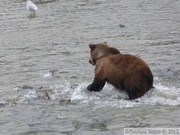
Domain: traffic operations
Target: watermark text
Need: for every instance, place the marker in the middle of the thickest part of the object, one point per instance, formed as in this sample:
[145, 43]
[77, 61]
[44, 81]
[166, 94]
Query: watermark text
[151, 131]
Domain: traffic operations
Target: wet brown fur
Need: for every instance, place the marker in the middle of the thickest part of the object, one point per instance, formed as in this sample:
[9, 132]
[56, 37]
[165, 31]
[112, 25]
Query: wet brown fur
[124, 71]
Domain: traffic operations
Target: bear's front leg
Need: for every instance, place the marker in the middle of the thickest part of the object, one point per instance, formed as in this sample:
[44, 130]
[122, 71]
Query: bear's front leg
[96, 85]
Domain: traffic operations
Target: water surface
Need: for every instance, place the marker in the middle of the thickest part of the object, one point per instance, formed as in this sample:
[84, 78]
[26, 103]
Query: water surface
[34, 101]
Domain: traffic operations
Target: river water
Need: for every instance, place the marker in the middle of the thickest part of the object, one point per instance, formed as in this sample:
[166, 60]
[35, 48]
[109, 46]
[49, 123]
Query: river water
[45, 69]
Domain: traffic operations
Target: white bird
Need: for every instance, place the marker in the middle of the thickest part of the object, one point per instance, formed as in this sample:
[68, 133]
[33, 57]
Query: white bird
[31, 6]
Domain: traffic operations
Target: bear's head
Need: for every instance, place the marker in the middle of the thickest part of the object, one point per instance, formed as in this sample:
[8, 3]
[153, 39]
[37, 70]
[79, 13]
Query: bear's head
[100, 50]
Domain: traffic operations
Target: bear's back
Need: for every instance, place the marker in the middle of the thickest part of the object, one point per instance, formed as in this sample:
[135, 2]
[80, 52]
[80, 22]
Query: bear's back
[120, 67]
[128, 62]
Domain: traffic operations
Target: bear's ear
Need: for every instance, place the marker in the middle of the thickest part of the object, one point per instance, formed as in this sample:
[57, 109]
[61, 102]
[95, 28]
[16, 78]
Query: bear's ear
[92, 46]
[105, 42]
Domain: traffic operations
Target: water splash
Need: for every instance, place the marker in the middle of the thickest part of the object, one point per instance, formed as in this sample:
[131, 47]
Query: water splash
[30, 96]
[109, 96]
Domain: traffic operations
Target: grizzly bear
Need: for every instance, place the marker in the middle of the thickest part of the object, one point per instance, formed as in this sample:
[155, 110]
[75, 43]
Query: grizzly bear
[124, 71]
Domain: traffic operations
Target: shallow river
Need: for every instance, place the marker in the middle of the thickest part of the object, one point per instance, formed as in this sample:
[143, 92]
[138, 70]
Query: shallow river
[45, 69]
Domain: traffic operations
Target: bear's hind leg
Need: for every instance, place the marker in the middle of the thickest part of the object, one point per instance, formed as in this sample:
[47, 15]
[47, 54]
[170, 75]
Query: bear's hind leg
[135, 92]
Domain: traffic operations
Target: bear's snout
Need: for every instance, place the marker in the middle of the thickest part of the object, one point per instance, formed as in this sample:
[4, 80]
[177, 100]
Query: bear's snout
[91, 62]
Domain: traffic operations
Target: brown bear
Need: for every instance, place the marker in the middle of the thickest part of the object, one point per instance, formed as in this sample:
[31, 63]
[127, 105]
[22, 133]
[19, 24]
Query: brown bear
[124, 71]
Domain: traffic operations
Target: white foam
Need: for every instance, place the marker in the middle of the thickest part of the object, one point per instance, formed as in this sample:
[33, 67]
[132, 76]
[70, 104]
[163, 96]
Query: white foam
[162, 95]
[30, 96]
[109, 96]
[79, 92]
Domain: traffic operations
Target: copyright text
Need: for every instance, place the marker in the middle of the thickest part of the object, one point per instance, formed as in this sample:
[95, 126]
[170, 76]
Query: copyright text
[151, 131]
